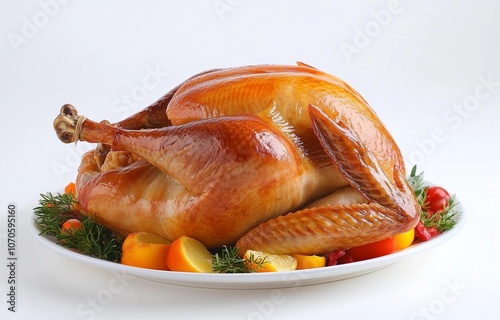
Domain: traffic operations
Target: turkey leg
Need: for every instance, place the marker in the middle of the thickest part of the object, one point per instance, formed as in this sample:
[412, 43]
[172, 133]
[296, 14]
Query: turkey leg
[153, 116]
[228, 175]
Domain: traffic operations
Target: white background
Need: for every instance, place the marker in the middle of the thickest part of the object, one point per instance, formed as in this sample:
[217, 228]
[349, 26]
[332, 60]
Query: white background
[430, 69]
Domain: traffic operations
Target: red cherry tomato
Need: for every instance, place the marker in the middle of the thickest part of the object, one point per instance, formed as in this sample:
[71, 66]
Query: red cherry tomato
[437, 199]
[373, 250]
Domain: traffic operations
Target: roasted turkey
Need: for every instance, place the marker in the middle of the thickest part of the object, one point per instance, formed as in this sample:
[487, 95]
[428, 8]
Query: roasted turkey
[280, 159]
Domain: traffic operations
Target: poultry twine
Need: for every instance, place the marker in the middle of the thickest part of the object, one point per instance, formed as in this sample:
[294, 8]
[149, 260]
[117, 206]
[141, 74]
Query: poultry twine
[78, 127]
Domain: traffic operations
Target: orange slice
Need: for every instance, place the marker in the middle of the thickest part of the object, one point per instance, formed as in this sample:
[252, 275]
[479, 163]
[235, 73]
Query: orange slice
[272, 262]
[189, 255]
[309, 262]
[145, 250]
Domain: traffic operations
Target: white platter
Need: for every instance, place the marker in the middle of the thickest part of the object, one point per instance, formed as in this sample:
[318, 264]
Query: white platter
[260, 280]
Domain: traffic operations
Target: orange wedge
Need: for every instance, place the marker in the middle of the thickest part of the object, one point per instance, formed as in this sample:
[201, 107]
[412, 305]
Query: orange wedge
[309, 262]
[189, 255]
[405, 239]
[145, 250]
[272, 262]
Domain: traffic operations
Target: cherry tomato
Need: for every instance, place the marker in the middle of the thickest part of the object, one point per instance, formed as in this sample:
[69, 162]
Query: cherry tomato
[373, 250]
[437, 199]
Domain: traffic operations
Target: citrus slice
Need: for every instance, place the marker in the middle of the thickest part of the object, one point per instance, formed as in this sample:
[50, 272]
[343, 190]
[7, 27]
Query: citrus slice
[145, 250]
[272, 262]
[405, 239]
[189, 255]
[309, 262]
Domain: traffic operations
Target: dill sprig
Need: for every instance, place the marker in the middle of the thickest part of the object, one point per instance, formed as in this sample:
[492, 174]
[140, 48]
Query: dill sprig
[90, 238]
[228, 261]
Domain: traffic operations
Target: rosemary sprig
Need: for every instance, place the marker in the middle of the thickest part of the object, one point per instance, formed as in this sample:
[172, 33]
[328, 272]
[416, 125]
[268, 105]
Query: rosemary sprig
[90, 238]
[416, 181]
[228, 261]
[93, 240]
[53, 210]
[442, 220]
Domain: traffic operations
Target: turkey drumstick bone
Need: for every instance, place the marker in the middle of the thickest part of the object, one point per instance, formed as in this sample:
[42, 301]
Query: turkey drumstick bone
[204, 157]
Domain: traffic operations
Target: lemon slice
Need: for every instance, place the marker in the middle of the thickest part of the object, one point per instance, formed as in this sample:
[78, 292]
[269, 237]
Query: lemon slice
[272, 262]
[405, 239]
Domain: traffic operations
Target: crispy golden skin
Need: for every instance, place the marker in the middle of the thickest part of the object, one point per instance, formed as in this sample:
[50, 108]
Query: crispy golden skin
[281, 159]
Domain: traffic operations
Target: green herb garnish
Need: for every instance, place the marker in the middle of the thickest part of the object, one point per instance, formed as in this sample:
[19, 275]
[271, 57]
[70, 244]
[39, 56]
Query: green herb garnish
[53, 211]
[90, 238]
[228, 261]
[443, 220]
[416, 182]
